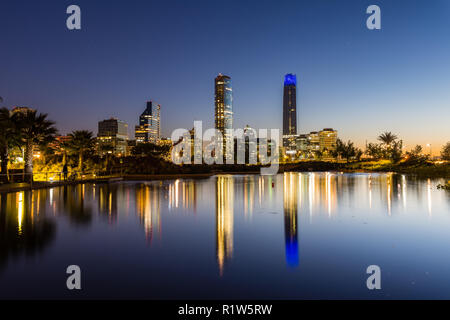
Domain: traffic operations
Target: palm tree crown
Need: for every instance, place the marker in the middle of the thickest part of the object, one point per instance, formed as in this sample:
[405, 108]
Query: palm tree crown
[80, 142]
[9, 138]
[35, 129]
[387, 138]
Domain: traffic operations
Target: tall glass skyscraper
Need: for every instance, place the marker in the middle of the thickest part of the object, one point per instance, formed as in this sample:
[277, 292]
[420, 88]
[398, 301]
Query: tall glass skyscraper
[148, 129]
[223, 104]
[290, 105]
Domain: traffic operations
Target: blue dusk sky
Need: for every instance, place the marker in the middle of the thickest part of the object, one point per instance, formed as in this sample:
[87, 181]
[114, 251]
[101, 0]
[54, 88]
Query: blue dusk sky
[358, 81]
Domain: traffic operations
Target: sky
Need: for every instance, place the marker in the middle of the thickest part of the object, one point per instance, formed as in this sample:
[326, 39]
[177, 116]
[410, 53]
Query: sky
[358, 81]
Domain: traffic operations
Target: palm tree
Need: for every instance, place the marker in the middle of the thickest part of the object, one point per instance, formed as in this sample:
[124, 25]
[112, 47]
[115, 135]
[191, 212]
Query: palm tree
[80, 142]
[35, 130]
[346, 150]
[9, 138]
[445, 153]
[387, 138]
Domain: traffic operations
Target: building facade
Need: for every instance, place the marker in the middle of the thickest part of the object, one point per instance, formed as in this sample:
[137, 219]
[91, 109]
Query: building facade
[149, 129]
[290, 113]
[327, 140]
[112, 137]
[290, 105]
[223, 105]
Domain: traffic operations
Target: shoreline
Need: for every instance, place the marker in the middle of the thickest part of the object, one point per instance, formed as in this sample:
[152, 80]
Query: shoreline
[19, 187]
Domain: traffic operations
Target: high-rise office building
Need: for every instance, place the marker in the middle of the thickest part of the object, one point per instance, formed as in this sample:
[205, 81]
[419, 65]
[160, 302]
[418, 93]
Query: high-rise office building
[290, 105]
[223, 105]
[149, 129]
[290, 114]
[112, 136]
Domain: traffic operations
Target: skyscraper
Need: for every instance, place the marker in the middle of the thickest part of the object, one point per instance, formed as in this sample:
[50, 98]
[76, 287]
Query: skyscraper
[290, 111]
[290, 105]
[223, 104]
[149, 129]
[112, 136]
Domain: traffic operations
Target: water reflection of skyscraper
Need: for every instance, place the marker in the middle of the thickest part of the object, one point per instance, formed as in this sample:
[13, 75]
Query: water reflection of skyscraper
[249, 195]
[224, 219]
[107, 201]
[148, 207]
[290, 194]
[183, 193]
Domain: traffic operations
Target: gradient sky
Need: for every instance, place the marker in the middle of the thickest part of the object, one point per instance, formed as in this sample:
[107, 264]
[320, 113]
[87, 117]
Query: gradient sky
[357, 81]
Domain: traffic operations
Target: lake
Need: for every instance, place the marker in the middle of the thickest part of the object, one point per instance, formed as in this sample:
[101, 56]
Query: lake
[289, 236]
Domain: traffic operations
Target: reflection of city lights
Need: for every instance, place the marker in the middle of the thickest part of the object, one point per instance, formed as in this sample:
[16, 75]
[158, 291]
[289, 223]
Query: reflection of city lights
[148, 209]
[290, 205]
[429, 196]
[404, 191]
[20, 211]
[311, 194]
[328, 186]
[224, 219]
[176, 193]
[389, 195]
[249, 194]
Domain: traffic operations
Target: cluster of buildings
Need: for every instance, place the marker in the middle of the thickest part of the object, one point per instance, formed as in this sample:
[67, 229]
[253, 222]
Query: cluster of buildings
[314, 145]
[113, 136]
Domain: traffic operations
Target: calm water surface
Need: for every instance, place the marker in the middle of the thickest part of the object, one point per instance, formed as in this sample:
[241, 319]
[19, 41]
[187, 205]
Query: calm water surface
[290, 236]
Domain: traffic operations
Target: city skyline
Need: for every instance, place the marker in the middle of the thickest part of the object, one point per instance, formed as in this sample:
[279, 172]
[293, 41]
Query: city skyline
[357, 81]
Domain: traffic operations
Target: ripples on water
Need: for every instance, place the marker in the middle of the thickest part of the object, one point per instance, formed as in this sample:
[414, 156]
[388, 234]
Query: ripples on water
[294, 235]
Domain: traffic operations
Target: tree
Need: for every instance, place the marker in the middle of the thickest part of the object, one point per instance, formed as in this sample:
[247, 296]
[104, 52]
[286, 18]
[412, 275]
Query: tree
[374, 150]
[146, 149]
[35, 130]
[395, 151]
[9, 138]
[416, 155]
[445, 153]
[346, 150]
[108, 150]
[392, 147]
[80, 142]
[387, 138]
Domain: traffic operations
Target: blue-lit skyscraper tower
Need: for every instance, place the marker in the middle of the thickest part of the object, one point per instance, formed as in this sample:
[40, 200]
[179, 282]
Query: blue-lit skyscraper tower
[290, 105]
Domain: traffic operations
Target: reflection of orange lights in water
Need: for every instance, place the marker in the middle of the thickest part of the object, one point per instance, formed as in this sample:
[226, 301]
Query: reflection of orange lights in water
[187, 191]
[429, 196]
[249, 194]
[148, 208]
[290, 204]
[20, 209]
[261, 189]
[224, 219]
[389, 178]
